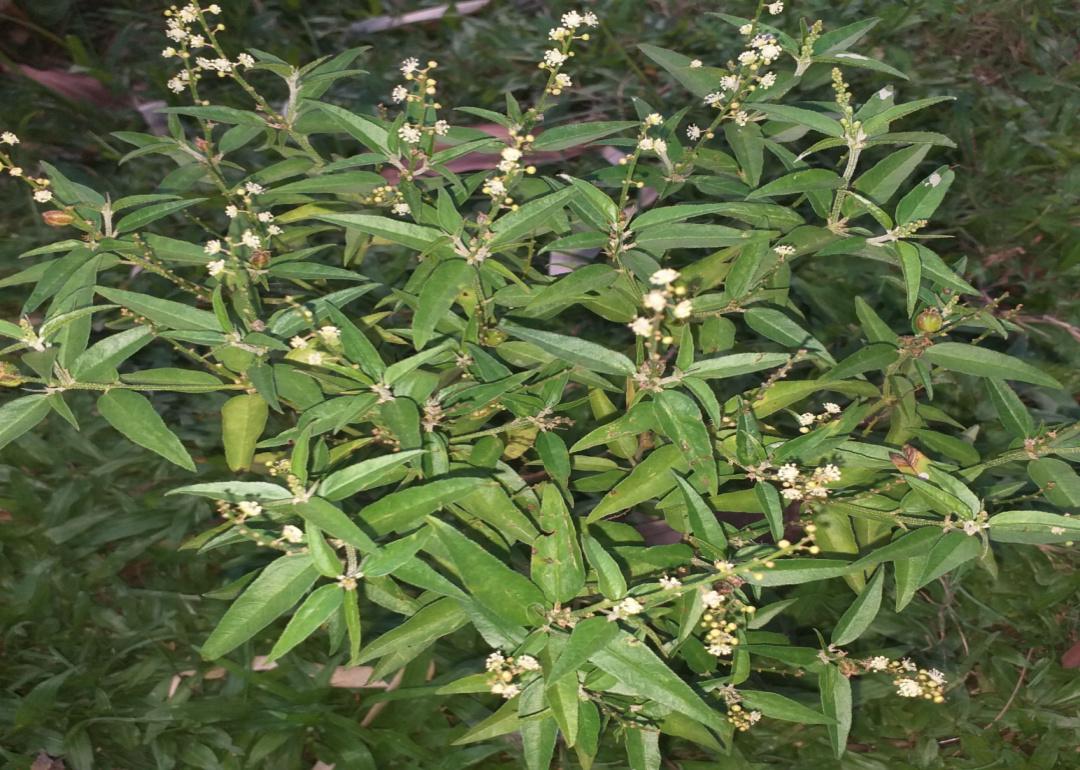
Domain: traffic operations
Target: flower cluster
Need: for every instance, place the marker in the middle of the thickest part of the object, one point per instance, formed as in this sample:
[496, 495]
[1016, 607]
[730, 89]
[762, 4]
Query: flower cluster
[746, 75]
[510, 169]
[316, 348]
[189, 30]
[910, 681]
[389, 196]
[807, 419]
[797, 486]
[721, 607]
[741, 719]
[625, 608]
[502, 671]
[555, 58]
[661, 299]
[39, 185]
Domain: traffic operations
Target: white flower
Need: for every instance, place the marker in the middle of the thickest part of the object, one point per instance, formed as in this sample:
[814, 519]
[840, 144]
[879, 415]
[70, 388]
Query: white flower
[572, 20]
[719, 650]
[217, 267]
[15, 171]
[654, 119]
[399, 94]
[176, 33]
[590, 19]
[178, 83]
[254, 188]
[971, 527]
[264, 216]
[712, 599]
[512, 154]
[746, 29]
[527, 663]
[213, 8]
[693, 133]
[695, 64]
[409, 66]
[245, 60]
[908, 688]
[409, 134]
[770, 52]
[298, 342]
[231, 211]
[783, 250]
[713, 99]
[933, 180]
[274, 230]
[43, 196]
[251, 239]
[768, 80]
[748, 57]
[791, 493]
[775, 8]
[936, 676]
[787, 473]
[553, 57]
[506, 690]
[167, 53]
[212, 247]
[878, 663]
[292, 534]
[664, 276]
[196, 41]
[642, 327]
[908, 664]
[806, 418]
[249, 508]
[559, 33]
[684, 309]
[330, 334]
[654, 300]
[494, 661]
[562, 80]
[723, 567]
[831, 408]
[442, 128]
[669, 583]
[742, 118]
[729, 82]
[401, 209]
[629, 606]
[827, 473]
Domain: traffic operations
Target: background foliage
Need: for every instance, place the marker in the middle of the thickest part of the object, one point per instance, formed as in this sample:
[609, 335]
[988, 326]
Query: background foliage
[104, 611]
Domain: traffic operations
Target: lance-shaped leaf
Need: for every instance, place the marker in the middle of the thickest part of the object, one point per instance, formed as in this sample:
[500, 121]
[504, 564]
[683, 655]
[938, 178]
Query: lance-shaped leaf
[799, 182]
[317, 609]
[1059, 483]
[815, 121]
[609, 577]
[437, 297]
[99, 361]
[641, 671]
[366, 474]
[334, 522]
[365, 131]
[509, 595]
[982, 362]
[557, 566]
[273, 592]
[577, 134]
[243, 419]
[132, 415]
[650, 479]
[1037, 527]
[735, 364]
[681, 421]
[163, 312]
[703, 522]
[1010, 409]
[402, 510]
[529, 217]
[575, 350]
[858, 617]
[778, 706]
[432, 621]
[836, 705]
[20, 415]
[145, 216]
[416, 237]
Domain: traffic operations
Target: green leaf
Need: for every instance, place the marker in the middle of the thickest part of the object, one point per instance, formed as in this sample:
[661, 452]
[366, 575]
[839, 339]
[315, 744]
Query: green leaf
[317, 609]
[365, 131]
[574, 350]
[218, 114]
[432, 621]
[243, 419]
[416, 237]
[334, 522]
[776, 326]
[649, 480]
[777, 706]
[911, 265]
[349, 182]
[1035, 527]
[883, 179]
[132, 415]
[749, 148]
[502, 722]
[815, 121]
[795, 571]
[836, 705]
[538, 733]
[588, 636]
[923, 201]
[235, 491]
[163, 312]
[1010, 409]
[577, 134]
[366, 474]
[858, 617]
[798, 182]
[437, 297]
[879, 123]
[1058, 481]
[769, 499]
[877, 356]
[981, 362]
[642, 749]
[145, 216]
[640, 671]
[99, 361]
[528, 217]
[735, 364]
[703, 522]
[169, 378]
[507, 594]
[20, 415]
[401, 510]
[609, 576]
[909, 544]
[681, 421]
[698, 80]
[557, 566]
[273, 592]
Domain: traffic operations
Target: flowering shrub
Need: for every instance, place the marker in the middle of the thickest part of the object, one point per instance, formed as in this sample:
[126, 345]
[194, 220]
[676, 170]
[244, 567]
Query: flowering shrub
[577, 416]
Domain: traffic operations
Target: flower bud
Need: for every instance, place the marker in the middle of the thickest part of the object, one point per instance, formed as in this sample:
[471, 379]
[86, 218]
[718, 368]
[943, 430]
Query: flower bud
[57, 218]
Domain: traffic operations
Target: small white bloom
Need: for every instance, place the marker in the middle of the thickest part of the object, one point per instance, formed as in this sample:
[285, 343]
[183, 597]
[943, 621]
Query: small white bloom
[401, 209]
[629, 606]
[775, 8]
[768, 80]
[908, 688]
[245, 60]
[409, 134]
[409, 66]
[265, 216]
[878, 663]
[168, 53]
[971, 527]
[254, 188]
[527, 663]
[15, 171]
[196, 41]
[399, 94]
[684, 309]
[213, 8]
[494, 661]
[559, 33]
[719, 650]
[806, 418]
[178, 83]
[553, 57]
[292, 534]
[729, 82]
[654, 300]
[792, 493]
[695, 64]
[654, 119]
[442, 128]
[693, 133]
[590, 20]
[724, 567]
[783, 250]
[562, 80]
[831, 407]
[298, 342]
[512, 154]
[43, 196]
[936, 676]
[770, 52]
[251, 239]
[712, 599]
[827, 473]
[642, 327]
[885, 93]
[713, 99]
[231, 211]
[1057, 530]
[664, 276]
[742, 118]
[746, 29]
[508, 691]
[274, 230]
[787, 473]
[217, 267]
[212, 247]
[669, 583]
[572, 20]
[934, 179]
[330, 334]
[249, 508]
[748, 57]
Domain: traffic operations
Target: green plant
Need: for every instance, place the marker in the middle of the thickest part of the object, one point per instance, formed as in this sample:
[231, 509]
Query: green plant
[459, 369]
